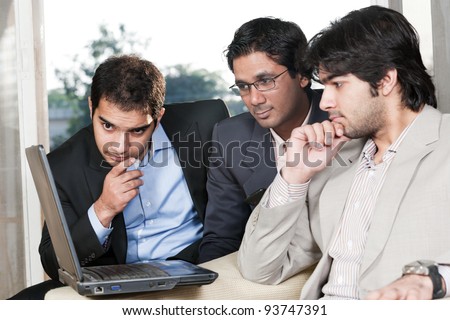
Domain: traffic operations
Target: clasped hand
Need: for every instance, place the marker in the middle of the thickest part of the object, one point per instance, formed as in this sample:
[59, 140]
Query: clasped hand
[310, 148]
[119, 188]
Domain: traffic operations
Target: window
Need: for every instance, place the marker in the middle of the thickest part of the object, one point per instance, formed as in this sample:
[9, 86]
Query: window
[186, 40]
[21, 97]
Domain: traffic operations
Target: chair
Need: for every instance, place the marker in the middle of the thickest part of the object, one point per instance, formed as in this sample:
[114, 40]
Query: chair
[192, 142]
[208, 113]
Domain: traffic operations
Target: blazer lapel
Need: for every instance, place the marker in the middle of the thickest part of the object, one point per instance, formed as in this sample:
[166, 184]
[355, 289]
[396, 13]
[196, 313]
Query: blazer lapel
[334, 195]
[259, 158]
[95, 174]
[415, 146]
[312, 289]
[97, 168]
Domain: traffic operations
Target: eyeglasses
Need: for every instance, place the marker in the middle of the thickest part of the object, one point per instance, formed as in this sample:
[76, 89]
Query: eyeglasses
[265, 84]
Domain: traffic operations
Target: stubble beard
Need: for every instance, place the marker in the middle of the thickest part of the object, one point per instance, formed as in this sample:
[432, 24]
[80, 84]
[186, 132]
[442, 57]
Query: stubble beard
[367, 122]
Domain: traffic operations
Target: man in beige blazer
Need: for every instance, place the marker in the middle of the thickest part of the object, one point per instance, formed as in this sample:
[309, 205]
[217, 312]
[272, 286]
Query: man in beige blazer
[375, 216]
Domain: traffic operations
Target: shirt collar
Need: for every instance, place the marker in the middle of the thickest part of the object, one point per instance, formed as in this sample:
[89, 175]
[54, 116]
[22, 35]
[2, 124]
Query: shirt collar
[278, 140]
[160, 141]
[370, 148]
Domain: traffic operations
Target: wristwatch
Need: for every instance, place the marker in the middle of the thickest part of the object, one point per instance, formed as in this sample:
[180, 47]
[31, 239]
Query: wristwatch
[427, 268]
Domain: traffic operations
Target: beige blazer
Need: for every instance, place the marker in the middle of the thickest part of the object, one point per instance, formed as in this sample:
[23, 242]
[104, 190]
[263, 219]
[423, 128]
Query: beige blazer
[411, 220]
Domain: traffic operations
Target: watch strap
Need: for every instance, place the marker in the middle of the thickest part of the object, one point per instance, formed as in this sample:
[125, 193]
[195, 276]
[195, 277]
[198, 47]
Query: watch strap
[436, 278]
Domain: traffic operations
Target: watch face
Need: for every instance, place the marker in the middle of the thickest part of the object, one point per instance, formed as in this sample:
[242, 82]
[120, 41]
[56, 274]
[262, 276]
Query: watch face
[420, 267]
[410, 269]
[427, 268]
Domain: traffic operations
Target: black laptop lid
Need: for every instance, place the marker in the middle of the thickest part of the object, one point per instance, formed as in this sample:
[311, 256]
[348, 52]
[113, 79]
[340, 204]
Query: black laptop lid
[53, 213]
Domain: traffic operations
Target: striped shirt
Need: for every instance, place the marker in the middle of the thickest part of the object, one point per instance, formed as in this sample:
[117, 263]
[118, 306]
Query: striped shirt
[347, 248]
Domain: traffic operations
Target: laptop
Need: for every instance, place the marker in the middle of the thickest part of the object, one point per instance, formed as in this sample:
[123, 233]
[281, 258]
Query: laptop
[108, 279]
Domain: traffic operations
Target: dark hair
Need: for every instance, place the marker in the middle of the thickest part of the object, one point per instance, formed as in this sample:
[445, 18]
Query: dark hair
[131, 83]
[283, 41]
[369, 42]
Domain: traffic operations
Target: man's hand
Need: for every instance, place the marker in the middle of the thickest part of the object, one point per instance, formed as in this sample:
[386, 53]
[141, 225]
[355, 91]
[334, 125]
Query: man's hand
[310, 148]
[119, 187]
[409, 287]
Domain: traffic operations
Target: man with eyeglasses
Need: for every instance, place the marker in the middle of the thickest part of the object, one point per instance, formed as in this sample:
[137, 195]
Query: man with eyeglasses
[266, 58]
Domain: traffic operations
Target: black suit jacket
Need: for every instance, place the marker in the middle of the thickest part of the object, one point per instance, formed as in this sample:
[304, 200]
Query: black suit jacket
[79, 171]
[243, 161]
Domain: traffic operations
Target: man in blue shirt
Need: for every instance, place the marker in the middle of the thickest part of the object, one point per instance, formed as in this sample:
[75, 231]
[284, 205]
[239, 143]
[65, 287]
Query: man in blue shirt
[132, 184]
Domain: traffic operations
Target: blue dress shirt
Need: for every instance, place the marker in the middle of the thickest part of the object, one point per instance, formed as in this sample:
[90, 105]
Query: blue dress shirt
[161, 220]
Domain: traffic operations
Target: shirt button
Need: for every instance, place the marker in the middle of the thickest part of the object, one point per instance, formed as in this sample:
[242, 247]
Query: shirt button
[148, 203]
[340, 280]
[356, 204]
[151, 221]
[350, 244]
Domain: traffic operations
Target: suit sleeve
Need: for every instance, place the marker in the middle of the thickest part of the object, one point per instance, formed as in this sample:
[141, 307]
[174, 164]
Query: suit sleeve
[277, 243]
[226, 211]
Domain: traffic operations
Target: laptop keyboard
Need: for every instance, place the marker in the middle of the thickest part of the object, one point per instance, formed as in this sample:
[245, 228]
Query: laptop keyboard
[125, 271]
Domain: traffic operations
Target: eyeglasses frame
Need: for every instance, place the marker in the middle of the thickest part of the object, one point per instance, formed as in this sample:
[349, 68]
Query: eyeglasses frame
[236, 90]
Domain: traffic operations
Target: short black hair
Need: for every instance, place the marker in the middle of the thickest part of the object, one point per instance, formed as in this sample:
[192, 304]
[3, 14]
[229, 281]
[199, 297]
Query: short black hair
[131, 83]
[369, 42]
[282, 41]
